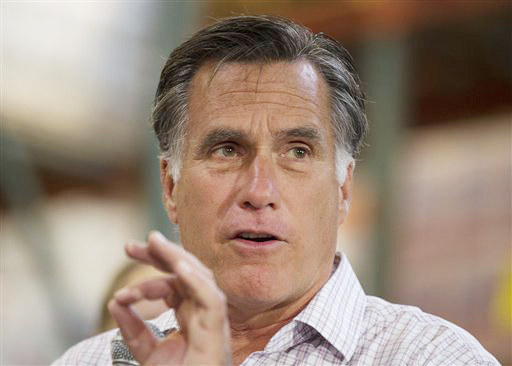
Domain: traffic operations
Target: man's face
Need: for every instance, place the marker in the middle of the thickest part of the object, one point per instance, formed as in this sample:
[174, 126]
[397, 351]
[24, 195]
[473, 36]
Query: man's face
[258, 201]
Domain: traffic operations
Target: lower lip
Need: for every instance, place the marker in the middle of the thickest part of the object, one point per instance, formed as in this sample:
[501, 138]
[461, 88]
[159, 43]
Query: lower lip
[249, 247]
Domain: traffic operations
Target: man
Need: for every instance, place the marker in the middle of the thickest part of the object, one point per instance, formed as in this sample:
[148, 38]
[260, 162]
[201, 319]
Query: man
[259, 121]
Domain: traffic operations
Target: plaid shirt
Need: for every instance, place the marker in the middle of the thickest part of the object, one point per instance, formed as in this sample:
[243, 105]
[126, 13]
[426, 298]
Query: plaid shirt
[341, 326]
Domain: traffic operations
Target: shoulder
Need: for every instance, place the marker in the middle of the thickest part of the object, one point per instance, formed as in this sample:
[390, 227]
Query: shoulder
[92, 351]
[405, 334]
[96, 351]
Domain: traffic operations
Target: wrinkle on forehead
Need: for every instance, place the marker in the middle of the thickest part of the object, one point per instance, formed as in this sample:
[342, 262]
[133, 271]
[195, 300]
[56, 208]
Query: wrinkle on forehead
[229, 83]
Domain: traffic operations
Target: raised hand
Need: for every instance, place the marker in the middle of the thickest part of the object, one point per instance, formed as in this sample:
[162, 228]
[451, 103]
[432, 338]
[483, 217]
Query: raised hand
[190, 289]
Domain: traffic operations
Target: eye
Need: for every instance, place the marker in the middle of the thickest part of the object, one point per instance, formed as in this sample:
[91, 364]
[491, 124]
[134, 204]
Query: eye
[298, 153]
[225, 151]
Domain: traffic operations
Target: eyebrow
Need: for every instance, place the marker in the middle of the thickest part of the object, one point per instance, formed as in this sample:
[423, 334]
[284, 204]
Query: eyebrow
[300, 132]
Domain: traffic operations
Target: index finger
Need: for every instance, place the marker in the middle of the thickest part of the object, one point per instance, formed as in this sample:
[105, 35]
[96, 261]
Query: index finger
[193, 274]
[163, 254]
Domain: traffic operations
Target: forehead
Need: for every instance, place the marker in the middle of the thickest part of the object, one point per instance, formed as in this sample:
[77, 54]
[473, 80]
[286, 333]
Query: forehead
[285, 87]
[300, 75]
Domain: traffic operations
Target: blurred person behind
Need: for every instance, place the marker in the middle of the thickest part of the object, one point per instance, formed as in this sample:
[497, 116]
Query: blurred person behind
[131, 274]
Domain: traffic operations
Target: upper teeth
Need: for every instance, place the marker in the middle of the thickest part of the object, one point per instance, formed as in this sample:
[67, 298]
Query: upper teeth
[254, 236]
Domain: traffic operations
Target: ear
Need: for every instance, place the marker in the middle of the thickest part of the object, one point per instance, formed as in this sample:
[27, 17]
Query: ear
[345, 195]
[169, 191]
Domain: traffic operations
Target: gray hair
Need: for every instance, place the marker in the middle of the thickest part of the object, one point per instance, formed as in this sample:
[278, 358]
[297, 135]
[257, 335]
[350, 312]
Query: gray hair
[260, 39]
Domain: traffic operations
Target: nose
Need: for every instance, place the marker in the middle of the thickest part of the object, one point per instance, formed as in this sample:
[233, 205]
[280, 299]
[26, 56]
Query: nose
[260, 190]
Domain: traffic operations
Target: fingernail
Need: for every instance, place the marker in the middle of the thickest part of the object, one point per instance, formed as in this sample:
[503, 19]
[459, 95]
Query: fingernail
[128, 295]
[119, 294]
[130, 245]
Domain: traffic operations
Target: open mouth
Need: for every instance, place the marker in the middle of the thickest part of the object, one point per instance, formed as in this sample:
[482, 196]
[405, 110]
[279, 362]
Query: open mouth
[256, 237]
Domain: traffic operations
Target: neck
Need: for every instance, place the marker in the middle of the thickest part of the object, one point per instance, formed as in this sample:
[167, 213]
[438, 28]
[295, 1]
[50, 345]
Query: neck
[245, 341]
[253, 327]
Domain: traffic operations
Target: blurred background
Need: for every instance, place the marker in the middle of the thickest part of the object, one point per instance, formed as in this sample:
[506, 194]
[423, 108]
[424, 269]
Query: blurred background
[431, 216]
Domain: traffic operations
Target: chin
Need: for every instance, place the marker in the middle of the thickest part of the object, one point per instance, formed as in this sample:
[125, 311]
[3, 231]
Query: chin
[254, 288]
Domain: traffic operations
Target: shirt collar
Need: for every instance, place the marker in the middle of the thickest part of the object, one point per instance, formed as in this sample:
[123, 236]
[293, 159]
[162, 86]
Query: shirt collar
[336, 311]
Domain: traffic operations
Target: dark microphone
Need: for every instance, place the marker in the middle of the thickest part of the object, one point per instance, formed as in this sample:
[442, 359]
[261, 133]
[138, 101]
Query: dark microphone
[121, 355]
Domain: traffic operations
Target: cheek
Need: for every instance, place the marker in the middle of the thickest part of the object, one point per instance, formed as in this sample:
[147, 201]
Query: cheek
[329, 204]
[317, 198]
[195, 192]
[190, 207]
[199, 207]
[318, 211]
